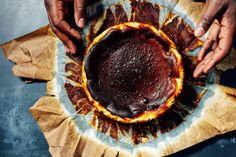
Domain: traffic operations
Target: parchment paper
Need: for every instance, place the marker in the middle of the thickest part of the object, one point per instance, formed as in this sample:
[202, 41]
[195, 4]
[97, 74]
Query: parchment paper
[34, 54]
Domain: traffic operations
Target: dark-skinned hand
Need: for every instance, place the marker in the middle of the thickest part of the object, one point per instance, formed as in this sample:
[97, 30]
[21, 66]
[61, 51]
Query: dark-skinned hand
[57, 12]
[220, 19]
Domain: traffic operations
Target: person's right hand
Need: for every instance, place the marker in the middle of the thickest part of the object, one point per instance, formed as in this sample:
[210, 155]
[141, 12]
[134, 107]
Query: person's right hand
[57, 11]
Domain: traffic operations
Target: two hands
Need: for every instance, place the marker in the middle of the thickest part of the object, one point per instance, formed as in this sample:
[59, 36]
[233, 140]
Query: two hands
[219, 18]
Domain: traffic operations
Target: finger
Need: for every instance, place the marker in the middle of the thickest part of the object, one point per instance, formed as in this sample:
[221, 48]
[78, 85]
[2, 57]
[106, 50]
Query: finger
[226, 38]
[208, 59]
[69, 45]
[66, 41]
[212, 37]
[199, 69]
[209, 55]
[214, 45]
[210, 63]
[207, 44]
[79, 12]
[218, 56]
[67, 49]
[67, 29]
[56, 13]
[207, 18]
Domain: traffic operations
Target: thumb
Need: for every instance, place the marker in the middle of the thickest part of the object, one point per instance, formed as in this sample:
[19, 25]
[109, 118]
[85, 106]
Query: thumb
[206, 20]
[79, 12]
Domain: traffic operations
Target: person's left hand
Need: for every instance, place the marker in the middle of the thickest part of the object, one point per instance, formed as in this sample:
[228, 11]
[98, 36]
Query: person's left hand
[220, 15]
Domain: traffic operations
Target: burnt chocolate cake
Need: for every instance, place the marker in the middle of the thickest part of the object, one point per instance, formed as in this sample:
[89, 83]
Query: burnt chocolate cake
[131, 70]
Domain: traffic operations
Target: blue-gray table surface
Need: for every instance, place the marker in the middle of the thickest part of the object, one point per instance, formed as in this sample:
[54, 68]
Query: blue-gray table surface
[19, 133]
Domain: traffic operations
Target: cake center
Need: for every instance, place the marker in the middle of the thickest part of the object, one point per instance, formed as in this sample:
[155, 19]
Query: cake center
[130, 72]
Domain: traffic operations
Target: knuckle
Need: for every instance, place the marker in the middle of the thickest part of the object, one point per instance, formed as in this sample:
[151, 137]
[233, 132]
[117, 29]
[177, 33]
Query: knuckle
[206, 19]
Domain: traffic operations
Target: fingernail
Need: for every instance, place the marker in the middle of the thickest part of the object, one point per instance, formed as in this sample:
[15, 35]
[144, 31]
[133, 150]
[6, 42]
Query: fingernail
[199, 31]
[81, 22]
[195, 74]
[199, 58]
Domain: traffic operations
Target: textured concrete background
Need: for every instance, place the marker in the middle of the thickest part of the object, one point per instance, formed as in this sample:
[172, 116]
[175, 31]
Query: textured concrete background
[19, 133]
